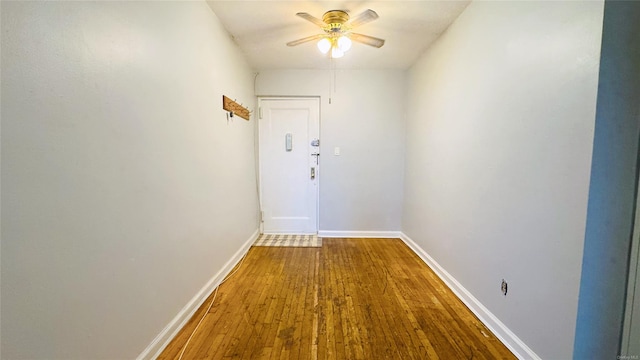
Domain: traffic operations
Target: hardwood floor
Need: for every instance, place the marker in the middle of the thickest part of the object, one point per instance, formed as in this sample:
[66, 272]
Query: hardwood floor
[350, 299]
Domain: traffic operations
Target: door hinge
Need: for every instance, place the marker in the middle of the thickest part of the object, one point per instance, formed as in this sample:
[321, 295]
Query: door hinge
[262, 216]
[260, 112]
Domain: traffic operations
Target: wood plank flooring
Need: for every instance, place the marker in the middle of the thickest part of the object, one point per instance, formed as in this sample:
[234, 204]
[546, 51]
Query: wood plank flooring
[349, 299]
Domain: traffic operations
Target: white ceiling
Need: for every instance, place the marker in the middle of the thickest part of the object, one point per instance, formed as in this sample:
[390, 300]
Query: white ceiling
[262, 28]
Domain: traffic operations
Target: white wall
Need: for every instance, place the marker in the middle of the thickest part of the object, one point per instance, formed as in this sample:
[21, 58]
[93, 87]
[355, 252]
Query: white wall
[124, 189]
[499, 137]
[360, 190]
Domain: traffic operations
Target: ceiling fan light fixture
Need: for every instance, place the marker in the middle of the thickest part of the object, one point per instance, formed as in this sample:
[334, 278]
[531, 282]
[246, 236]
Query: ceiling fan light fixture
[324, 45]
[336, 53]
[337, 37]
[344, 43]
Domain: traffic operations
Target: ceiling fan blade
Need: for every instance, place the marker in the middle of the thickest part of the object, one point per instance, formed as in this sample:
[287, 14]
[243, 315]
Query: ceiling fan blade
[366, 39]
[311, 18]
[305, 39]
[365, 17]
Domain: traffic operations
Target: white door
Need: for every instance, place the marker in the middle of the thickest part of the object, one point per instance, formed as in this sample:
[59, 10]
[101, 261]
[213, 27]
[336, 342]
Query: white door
[289, 132]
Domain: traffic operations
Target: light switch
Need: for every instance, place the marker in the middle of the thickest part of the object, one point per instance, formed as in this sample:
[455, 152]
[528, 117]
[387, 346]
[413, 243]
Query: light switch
[336, 151]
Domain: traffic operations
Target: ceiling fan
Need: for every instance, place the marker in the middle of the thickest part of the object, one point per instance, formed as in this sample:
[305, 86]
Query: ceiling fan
[337, 28]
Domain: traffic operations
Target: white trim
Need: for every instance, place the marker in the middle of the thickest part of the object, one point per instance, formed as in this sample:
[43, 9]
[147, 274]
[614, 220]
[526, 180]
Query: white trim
[171, 330]
[499, 329]
[359, 234]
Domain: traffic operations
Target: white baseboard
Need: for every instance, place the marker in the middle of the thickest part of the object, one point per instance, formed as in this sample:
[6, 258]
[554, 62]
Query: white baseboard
[499, 329]
[359, 234]
[171, 330]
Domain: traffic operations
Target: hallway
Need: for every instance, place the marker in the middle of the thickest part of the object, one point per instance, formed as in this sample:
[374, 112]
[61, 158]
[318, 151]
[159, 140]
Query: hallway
[373, 299]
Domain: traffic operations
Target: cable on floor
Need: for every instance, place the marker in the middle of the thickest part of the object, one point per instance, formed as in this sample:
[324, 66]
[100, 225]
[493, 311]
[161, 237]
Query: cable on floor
[211, 304]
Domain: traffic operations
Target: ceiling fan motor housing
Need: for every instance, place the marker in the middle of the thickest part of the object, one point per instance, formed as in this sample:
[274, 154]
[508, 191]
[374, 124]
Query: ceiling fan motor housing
[335, 19]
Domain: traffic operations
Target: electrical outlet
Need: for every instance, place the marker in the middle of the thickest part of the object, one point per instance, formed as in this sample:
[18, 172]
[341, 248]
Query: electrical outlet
[503, 287]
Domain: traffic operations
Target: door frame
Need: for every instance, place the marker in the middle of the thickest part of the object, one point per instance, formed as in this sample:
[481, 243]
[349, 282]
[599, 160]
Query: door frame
[260, 156]
[633, 292]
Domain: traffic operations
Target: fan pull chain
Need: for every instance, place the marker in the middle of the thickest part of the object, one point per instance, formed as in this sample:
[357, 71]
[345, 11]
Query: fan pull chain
[335, 79]
[331, 70]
